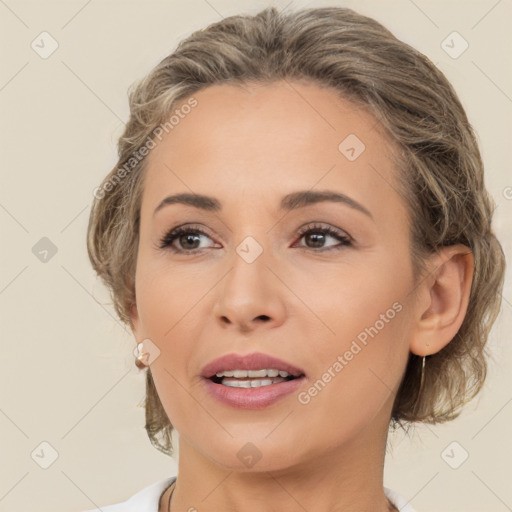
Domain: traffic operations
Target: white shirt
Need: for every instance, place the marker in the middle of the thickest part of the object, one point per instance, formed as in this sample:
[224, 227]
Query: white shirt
[148, 498]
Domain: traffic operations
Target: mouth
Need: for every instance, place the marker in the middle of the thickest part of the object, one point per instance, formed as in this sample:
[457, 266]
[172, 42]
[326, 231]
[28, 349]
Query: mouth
[252, 379]
[250, 370]
[242, 391]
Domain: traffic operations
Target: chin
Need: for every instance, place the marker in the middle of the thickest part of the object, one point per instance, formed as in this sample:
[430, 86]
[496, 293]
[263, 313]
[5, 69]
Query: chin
[246, 456]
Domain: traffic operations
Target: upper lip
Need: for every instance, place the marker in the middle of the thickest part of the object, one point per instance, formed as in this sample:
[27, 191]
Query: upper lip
[254, 361]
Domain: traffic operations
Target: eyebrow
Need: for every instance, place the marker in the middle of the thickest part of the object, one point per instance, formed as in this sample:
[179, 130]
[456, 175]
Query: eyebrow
[289, 202]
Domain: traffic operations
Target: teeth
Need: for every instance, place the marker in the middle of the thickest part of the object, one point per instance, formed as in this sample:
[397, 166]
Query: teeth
[252, 373]
[250, 383]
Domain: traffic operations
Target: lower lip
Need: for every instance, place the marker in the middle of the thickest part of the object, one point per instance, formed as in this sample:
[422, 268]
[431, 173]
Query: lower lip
[252, 398]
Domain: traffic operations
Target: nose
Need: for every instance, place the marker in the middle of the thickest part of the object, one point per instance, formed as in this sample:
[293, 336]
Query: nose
[251, 296]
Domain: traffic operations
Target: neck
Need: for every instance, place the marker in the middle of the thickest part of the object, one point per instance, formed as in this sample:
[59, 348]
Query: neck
[345, 478]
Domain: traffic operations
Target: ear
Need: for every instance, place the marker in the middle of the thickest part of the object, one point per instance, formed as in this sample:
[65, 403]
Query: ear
[444, 297]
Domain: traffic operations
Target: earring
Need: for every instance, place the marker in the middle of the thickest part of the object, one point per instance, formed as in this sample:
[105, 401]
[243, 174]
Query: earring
[141, 360]
[422, 375]
[421, 384]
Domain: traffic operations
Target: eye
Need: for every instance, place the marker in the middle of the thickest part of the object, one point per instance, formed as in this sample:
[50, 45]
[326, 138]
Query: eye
[317, 235]
[187, 236]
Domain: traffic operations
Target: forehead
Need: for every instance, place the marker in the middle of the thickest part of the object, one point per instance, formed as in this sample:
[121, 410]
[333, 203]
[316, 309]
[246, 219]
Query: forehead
[259, 140]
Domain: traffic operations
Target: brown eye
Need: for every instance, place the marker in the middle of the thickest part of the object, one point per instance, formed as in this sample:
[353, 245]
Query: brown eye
[315, 237]
[187, 238]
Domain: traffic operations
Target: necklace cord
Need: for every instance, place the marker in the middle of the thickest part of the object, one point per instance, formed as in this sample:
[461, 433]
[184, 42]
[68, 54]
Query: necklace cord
[170, 496]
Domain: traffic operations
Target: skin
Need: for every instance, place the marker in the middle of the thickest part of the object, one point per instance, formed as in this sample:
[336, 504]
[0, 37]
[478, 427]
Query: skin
[248, 147]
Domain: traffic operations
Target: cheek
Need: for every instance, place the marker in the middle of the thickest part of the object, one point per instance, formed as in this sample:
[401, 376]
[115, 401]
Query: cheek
[358, 370]
[165, 301]
[347, 298]
[166, 295]
[362, 338]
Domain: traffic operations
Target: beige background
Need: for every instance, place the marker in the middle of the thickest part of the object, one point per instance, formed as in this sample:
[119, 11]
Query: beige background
[67, 374]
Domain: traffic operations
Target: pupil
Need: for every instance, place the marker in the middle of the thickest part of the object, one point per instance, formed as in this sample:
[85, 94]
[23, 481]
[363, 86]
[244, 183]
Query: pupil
[188, 238]
[317, 238]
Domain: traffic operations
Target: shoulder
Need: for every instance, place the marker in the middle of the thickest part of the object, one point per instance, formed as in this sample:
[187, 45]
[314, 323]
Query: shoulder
[399, 501]
[145, 500]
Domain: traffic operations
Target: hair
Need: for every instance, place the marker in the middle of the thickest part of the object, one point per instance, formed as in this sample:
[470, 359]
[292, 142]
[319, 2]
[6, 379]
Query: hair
[439, 166]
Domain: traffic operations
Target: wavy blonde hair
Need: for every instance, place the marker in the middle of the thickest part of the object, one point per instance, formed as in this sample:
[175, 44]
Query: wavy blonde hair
[440, 168]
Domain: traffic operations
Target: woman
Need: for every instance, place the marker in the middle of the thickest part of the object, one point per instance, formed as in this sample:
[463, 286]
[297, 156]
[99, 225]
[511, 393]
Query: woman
[298, 234]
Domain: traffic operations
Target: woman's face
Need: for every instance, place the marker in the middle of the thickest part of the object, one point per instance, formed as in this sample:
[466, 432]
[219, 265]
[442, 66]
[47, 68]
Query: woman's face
[338, 304]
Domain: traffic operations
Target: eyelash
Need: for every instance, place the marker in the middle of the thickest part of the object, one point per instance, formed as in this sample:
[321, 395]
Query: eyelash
[168, 238]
